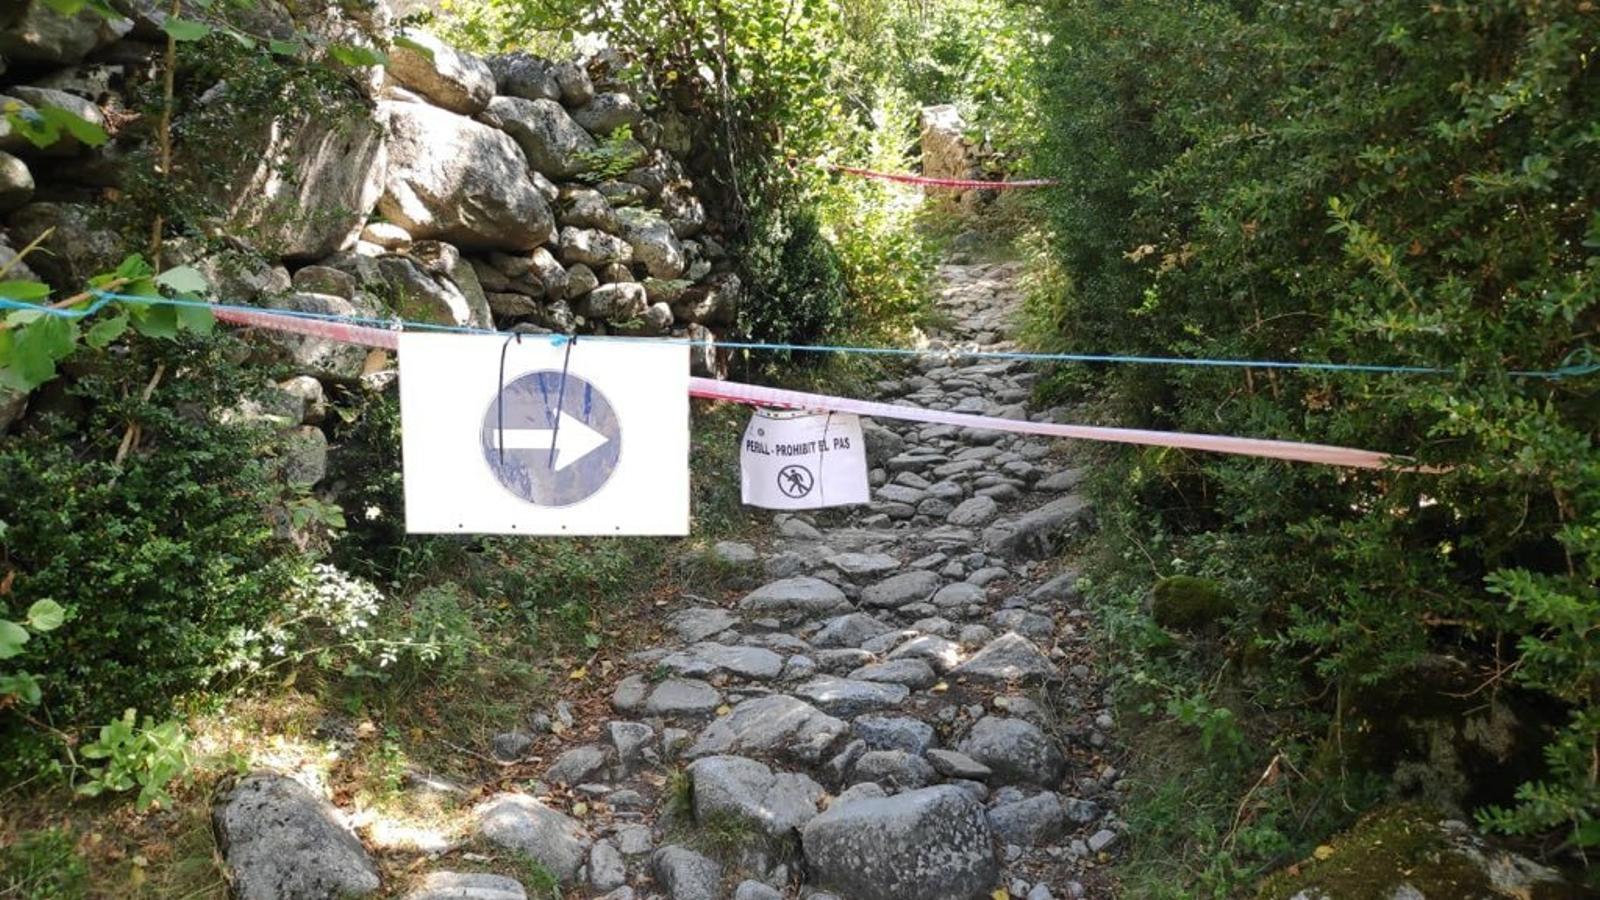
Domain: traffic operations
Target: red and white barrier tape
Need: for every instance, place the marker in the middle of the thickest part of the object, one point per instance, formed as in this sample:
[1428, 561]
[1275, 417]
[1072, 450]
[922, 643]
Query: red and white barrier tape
[755, 395]
[960, 184]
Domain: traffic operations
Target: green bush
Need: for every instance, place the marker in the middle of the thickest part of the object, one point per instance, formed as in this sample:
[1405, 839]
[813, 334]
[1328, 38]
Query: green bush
[160, 562]
[43, 865]
[795, 290]
[1386, 182]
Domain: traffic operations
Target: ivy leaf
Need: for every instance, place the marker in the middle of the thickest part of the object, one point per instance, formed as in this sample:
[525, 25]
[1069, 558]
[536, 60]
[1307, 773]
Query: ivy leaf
[87, 132]
[184, 280]
[35, 350]
[103, 332]
[414, 45]
[132, 266]
[157, 322]
[28, 123]
[197, 319]
[23, 686]
[185, 29]
[46, 615]
[29, 291]
[353, 55]
[12, 637]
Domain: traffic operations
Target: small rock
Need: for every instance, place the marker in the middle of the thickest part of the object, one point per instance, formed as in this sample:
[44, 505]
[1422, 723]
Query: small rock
[846, 697]
[1016, 750]
[510, 745]
[682, 697]
[607, 868]
[1101, 839]
[894, 733]
[1007, 658]
[1029, 822]
[577, 765]
[632, 742]
[467, 886]
[522, 824]
[896, 770]
[687, 875]
[777, 802]
[913, 673]
[755, 890]
[951, 764]
[932, 843]
[278, 839]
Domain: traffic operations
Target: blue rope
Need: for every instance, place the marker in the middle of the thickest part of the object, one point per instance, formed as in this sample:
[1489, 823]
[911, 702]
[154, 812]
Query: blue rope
[1580, 362]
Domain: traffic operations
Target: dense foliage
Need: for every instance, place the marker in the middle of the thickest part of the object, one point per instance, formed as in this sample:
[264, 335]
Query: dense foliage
[1387, 182]
[161, 559]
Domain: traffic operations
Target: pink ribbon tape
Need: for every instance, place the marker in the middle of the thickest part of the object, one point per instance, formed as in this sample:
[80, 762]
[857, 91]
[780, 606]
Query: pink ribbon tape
[755, 395]
[1289, 450]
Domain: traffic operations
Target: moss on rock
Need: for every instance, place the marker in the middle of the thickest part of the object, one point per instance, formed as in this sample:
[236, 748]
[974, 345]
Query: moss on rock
[1185, 602]
[1406, 850]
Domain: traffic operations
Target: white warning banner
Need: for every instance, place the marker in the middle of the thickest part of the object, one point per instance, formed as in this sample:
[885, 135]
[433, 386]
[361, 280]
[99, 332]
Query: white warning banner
[591, 442]
[799, 460]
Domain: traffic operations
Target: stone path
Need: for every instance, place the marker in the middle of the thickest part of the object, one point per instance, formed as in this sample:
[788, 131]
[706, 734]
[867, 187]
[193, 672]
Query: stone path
[902, 712]
[905, 709]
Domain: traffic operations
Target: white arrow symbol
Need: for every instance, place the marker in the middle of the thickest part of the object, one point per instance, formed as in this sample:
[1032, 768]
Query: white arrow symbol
[574, 440]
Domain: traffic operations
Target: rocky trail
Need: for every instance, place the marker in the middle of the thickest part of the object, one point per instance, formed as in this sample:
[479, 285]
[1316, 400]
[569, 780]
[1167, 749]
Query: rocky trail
[905, 709]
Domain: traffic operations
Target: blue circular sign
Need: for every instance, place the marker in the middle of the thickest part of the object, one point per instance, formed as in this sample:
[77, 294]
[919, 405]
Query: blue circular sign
[560, 446]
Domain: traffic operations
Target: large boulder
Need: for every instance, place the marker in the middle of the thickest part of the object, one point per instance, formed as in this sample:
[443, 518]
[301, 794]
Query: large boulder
[460, 181]
[522, 824]
[280, 840]
[928, 844]
[305, 183]
[608, 112]
[318, 356]
[526, 76]
[778, 803]
[555, 145]
[16, 182]
[77, 248]
[31, 31]
[594, 248]
[799, 597]
[457, 81]
[1036, 534]
[619, 302]
[1016, 750]
[686, 875]
[771, 724]
[652, 241]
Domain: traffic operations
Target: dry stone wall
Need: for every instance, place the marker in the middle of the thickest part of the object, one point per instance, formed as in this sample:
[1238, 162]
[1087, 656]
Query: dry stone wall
[513, 191]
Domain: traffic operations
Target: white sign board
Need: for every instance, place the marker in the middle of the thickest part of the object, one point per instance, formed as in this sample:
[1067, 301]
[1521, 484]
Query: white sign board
[798, 460]
[605, 453]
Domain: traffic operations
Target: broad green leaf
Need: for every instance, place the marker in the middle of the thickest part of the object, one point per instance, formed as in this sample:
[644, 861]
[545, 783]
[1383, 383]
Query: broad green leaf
[67, 8]
[415, 45]
[36, 348]
[22, 686]
[32, 126]
[184, 280]
[46, 615]
[133, 266]
[285, 48]
[157, 321]
[12, 637]
[23, 316]
[29, 291]
[243, 40]
[102, 333]
[84, 130]
[353, 55]
[185, 29]
[197, 319]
